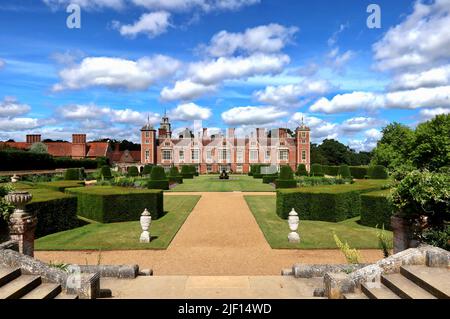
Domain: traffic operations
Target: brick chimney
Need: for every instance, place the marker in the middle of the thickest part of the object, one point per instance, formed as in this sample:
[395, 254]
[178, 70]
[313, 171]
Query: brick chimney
[205, 132]
[33, 138]
[260, 133]
[79, 146]
[231, 132]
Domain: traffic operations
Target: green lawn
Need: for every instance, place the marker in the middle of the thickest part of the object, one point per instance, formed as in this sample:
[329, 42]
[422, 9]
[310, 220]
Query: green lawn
[314, 234]
[124, 236]
[212, 183]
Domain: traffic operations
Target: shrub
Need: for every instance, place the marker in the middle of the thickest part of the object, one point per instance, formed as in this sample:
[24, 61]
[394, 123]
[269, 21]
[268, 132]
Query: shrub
[286, 183]
[301, 170]
[376, 209]
[60, 186]
[162, 184]
[105, 172]
[67, 162]
[286, 173]
[377, 172]
[286, 179]
[147, 170]
[317, 170]
[13, 160]
[384, 243]
[330, 170]
[110, 204]
[133, 171]
[438, 238]
[344, 171]
[55, 211]
[352, 255]
[175, 176]
[73, 174]
[326, 203]
[359, 172]
[186, 172]
[158, 179]
[270, 179]
[39, 147]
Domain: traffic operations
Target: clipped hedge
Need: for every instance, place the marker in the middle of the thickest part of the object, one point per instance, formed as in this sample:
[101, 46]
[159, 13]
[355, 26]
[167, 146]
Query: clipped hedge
[330, 170]
[161, 184]
[333, 203]
[55, 211]
[110, 204]
[175, 176]
[105, 172]
[186, 172]
[359, 172]
[15, 160]
[67, 162]
[378, 172]
[270, 179]
[376, 210]
[280, 183]
[317, 170]
[147, 170]
[74, 174]
[158, 179]
[133, 171]
[60, 186]
[344, 171]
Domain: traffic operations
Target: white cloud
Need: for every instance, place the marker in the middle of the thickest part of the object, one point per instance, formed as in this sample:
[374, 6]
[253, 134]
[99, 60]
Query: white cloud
[348, 102]
[338, 61]
[270, 38]
[289, 95]
[428, 114]
[213, 72]
[438, 76]
[252, 115]
[419, 98]
[186, 5]
[367, 144]
[2, 64]
[115, 73]
[422, 39]
[87, 4]
[18, 124]
[190, 112]
[358, 124]
[186, 90]
[374, 134]
[10, 107]
[152, 24]
[82, 112]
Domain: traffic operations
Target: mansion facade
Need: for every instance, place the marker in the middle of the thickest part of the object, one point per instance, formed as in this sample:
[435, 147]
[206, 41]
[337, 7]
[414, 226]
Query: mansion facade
[215, 153]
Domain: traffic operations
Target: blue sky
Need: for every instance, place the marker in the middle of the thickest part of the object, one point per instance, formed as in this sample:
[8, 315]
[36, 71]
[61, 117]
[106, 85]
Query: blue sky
[232, 63]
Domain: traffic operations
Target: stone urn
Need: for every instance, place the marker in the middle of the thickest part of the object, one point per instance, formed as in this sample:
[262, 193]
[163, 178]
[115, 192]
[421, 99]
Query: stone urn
[146, 220]
[293, 222]
[21, 224]
[14, 178]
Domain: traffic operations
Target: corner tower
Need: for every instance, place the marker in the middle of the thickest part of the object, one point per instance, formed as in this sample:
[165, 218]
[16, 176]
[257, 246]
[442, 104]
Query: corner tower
[165, 129]
[303, 142]
[148, 144]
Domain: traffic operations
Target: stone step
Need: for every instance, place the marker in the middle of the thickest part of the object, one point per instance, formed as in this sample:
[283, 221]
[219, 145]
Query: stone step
[376, 290]
[44, 291]
[404, 287]
[19, 287]
[8, 274]
[434, 280]
[356, 295]
[66, 296]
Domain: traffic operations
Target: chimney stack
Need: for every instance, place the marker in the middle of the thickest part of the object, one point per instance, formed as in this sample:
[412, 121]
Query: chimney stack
[231, 132]
[79, 138]
[33, 138]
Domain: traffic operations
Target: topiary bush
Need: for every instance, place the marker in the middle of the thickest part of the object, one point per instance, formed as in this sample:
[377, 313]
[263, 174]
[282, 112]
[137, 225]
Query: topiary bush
[359, 172]
[158, 179]
[286, 179]
[344, 171]
[175, 176]
[317, 170]
[377, 172]
[72, 174]
[330, 170]
[147, 170]
[111, 204]
[186, 172]
[301, 170]
[105, 172]
[270, 179]
[133, 171]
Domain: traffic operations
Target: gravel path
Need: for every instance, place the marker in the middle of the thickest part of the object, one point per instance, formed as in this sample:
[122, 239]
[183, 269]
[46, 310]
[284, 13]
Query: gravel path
[220, 237]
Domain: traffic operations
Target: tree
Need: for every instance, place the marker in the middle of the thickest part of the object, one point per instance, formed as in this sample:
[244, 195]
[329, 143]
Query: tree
[316, 156]
[335, 152]
[39, 148]
[394, 148]
[431, 145]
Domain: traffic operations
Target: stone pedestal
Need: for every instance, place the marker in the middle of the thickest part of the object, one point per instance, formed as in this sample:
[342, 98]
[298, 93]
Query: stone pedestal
[21, 224]
[402, 234]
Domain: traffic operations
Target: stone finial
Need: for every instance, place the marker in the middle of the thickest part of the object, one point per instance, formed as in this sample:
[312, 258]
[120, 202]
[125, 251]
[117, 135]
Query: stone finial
[146, 220]
[21, 224]
[293, 222]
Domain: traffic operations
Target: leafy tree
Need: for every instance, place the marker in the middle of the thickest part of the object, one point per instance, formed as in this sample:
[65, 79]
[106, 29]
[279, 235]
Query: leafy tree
[316, 156]
[133, 171]
[335, 152]
[301, 170]
[344, 171]
[394, 148]
[431, 146]
[39, 148]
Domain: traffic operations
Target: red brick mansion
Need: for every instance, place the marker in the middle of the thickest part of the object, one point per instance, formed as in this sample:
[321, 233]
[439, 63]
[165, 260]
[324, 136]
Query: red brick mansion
[215, 153]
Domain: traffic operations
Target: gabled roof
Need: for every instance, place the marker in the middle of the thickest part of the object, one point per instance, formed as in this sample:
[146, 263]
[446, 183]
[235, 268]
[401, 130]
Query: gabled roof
[97, 149]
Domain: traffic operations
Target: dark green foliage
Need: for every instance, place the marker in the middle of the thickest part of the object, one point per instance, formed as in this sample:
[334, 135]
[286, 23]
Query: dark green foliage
[286, 183]
[377, 172]
[318, 181]
[330, 170]
[66, 162]
[376, 209]
[175, 176]
[133, 171]
[270, 179]
[359, 172]
[326, 203]
[73, 174]
[286, 179]
[344, 171]
[335, 152]
[438, 238]
[105, 172]
[60, 186]
[186, 172]
[316, 170]
[56, 212]
[286, 173]
[101, 161]
[147, 170]
[158, 184]
[108, 204]
[158, 179]
[14, 160]
[301, 170]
